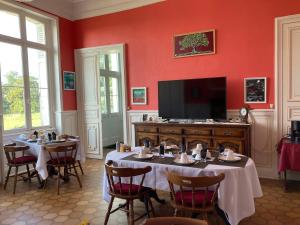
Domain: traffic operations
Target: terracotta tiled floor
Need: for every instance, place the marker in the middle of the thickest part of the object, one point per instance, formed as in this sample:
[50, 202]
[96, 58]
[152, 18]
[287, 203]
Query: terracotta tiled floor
[33, 206]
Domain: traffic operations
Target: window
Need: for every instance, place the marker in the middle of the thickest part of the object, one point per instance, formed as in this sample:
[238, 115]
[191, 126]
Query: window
[109, 83]
[24, 69]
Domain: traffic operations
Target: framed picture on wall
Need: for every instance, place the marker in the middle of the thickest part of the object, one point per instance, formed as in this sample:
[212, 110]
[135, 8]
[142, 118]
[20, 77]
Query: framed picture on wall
[255, 90]
[69, 81]
[192, 44]
[139, 96]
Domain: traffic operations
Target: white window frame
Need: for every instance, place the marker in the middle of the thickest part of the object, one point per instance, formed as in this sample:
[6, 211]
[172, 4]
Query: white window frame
[51, 49]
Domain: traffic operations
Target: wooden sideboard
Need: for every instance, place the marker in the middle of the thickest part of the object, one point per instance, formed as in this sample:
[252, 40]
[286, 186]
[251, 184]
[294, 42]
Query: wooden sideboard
[234, 136]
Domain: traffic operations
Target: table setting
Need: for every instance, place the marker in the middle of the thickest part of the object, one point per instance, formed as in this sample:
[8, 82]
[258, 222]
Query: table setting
[38, 140]
[237, 192]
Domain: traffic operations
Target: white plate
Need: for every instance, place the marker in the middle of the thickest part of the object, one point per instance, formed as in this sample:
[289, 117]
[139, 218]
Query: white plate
[190, 161]
[235, 158]
[146, 156]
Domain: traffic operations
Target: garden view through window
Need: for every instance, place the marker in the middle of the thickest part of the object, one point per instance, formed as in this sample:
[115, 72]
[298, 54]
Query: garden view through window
[24, 72]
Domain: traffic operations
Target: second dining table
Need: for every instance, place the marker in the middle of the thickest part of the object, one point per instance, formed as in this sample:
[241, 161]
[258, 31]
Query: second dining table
[236, 193]
[39, 150]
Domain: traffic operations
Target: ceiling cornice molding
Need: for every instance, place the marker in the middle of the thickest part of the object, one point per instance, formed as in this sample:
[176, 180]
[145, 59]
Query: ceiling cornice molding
[81, 9]
[92, 8]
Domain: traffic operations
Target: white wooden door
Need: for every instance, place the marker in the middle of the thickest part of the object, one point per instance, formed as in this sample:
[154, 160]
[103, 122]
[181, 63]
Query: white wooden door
[88, 103]
[290, 74]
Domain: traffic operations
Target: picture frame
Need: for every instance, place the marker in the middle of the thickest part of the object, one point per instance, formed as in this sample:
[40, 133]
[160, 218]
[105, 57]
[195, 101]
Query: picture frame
[139, 96]
[195, 43]
[69, 81]
[255, 90]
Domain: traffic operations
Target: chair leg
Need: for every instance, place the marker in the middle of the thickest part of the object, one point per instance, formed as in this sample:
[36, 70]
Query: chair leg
[28, 172]
[146, 202]
[16, 178]
[58, 180]
[7, 177]
[79, 164]
[78, 179]
[131, 213]
[151, 207]
[108, 210]
[127, 210]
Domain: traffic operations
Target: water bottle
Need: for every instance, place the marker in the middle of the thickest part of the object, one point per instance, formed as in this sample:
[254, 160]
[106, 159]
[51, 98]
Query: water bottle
[118, 146]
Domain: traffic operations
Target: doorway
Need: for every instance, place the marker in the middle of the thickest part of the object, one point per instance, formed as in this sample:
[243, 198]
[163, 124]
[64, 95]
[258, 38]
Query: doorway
[110, 97]
[101, 97]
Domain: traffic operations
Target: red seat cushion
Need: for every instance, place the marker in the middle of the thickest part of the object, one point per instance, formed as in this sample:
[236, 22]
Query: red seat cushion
[199, 197]
[124, 188]
[61, 160]
[24, 159]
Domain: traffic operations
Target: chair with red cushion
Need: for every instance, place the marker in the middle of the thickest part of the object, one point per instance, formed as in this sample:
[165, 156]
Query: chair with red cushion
[13, 160]
[63, 157]
[194, 194]
[121, 186]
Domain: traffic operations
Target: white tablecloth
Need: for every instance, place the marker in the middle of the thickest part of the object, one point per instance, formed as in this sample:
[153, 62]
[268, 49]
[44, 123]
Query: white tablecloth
[43, 156]
[236, 194]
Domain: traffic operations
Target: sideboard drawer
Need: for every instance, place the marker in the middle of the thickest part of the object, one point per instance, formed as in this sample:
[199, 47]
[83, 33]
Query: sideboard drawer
[224, 132]
[170, 130]
[198, 131]
[147, 129]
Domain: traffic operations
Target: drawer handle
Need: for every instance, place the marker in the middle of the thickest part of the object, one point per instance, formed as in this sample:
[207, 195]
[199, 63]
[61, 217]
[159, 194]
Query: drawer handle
[227, 133]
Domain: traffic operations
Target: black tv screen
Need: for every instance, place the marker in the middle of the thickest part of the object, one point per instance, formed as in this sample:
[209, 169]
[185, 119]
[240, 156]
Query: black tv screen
[193, 99]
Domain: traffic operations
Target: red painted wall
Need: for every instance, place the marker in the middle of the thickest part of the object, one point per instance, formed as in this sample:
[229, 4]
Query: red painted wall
[66, 32]
[244, 40]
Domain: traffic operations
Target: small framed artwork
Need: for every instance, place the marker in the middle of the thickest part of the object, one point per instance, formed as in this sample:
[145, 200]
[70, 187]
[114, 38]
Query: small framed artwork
[69, 81]
[192, 44]
[139, 96]
[255, 90]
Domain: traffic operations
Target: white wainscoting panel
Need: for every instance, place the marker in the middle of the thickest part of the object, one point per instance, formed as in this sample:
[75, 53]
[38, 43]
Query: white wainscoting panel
[262, 137]
[66, 122]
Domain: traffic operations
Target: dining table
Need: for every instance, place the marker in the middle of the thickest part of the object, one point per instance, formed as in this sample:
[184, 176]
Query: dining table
[39, 151]
[236, 193]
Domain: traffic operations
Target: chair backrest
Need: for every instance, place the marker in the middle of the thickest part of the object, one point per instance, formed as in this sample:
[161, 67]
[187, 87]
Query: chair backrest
[62, 154]
[174, 220]
[116, 175]
[11, 150]
[194, 184]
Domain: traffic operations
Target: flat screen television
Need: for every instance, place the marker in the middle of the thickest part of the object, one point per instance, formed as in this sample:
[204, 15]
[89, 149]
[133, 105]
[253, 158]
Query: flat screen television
[201, 99]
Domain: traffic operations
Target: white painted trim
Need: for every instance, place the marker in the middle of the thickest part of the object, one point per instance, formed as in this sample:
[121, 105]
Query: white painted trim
[93, 8]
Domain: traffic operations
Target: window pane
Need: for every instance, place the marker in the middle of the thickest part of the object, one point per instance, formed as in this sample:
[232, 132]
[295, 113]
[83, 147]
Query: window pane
[103, 104]
[13, 107]
[35, 31]
[102, 62]
[113, 62]
[12, 86]
[113, 92]
[39, 107]
[37, 68]
[9, 24]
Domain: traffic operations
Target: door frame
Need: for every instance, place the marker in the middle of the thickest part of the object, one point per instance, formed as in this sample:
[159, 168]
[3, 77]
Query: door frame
[279, 22]
[96, 50]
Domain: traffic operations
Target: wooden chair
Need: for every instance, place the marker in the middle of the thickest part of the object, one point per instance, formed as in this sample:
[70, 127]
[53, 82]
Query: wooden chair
[127, 191]
[77, 164]
[63, 157]
[174, 220]
[11, 152]
[193, 194]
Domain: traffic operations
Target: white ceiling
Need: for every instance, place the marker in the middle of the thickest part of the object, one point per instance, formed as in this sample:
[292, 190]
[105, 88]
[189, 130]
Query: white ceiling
[79, 9]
